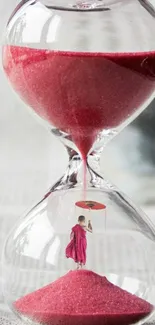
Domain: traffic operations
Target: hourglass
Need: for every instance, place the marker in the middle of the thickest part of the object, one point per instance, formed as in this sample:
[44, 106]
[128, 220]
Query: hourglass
[87, 69]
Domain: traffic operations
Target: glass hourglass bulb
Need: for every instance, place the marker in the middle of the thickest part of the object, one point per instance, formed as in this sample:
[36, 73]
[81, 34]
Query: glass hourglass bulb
[84, 254]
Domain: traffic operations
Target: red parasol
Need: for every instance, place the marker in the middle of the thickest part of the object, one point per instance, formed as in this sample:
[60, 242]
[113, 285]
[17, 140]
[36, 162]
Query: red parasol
[90, 205]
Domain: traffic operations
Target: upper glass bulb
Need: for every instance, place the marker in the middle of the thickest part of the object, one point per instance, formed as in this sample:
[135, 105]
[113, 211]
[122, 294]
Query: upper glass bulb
[87, 68]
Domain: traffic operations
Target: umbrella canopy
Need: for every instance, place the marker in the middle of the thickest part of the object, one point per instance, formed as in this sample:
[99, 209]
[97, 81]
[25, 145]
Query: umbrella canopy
[90, 205]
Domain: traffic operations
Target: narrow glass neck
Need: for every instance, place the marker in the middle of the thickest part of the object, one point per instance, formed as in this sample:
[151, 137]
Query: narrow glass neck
[81, 173]
[100, 141]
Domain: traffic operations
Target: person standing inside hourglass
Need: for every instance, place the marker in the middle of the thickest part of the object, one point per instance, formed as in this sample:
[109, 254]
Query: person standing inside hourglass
[77, 247]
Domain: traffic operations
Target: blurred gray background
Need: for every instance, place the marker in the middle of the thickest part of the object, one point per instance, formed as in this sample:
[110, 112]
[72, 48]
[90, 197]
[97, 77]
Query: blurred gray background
[31, 159]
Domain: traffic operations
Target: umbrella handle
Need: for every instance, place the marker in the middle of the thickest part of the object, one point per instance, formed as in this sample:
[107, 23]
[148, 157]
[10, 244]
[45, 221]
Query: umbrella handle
[88, 217]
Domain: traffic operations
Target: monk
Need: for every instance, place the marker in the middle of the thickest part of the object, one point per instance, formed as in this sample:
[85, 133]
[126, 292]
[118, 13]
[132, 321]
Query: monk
[76, 249]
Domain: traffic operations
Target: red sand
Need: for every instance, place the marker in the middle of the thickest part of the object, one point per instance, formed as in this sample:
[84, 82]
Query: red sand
[85, 298]
[81, 93]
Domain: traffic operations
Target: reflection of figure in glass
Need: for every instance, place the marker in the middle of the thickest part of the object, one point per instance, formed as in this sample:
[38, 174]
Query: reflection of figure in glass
[76, 249]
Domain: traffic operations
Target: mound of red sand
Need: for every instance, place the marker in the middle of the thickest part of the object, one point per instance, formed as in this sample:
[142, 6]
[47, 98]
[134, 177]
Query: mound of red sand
[85, 298]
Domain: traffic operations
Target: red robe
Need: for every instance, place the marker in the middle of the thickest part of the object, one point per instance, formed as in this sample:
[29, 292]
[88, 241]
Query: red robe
[76, 249]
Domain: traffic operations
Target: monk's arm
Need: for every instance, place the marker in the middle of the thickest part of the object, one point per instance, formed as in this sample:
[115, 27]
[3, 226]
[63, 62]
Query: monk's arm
[88, 229]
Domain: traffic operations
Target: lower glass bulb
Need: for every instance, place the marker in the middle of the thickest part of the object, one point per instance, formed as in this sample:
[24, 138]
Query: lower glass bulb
[90, 262]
